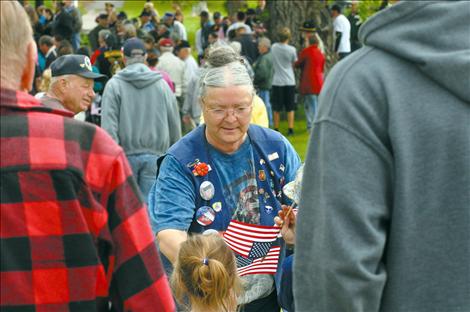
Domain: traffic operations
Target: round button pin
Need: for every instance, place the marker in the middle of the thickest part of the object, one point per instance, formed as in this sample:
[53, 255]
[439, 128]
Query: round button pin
[205, 215]
[217, 206]
[210, 232]
[207, 190]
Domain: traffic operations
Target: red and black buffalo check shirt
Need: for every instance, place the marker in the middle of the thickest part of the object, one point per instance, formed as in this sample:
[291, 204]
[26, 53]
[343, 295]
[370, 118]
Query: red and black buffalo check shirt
[75, 234]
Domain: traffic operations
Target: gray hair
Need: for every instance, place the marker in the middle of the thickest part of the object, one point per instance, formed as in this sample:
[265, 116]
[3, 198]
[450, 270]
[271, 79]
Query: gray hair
[166, 49]
[103, 34]
[224, 67]
[55, 79]
[15, 38]
[129, 31]
[134, 59]
[236, 46]
[265, 42]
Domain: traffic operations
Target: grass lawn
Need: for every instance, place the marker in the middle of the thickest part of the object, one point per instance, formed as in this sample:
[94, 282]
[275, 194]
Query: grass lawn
[301, 136]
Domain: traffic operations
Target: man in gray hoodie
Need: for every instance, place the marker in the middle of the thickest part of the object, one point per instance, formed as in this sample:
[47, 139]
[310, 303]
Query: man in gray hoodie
[384, 219]
[140, 113]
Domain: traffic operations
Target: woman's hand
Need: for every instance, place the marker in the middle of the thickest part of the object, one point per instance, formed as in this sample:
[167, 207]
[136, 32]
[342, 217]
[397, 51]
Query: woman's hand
[286, 220]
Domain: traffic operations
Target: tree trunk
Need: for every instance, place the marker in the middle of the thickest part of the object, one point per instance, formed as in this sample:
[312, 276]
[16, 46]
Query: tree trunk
[233, 6]
[292, 14]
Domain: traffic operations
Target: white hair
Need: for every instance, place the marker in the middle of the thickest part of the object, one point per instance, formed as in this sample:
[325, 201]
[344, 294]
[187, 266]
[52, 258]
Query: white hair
[103, 34]
[16, 35]
[224, 67]
[265, 42]
[129, 60]
[56, 79]
[236, 46]
[166, 49]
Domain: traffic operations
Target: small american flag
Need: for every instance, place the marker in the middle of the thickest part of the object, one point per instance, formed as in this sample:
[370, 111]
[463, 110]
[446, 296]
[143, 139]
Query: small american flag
[264, 265]
[250, 240]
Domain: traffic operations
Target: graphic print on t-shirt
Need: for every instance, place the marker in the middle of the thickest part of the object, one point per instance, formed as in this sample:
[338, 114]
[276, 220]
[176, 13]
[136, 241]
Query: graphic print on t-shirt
[237, 175]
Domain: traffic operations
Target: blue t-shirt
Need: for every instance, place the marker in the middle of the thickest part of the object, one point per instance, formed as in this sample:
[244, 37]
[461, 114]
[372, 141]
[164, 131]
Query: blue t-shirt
[172, 198]
[237, 175]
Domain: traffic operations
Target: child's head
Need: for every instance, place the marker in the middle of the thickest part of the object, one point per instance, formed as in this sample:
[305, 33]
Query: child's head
[206, 272]
[45, 80]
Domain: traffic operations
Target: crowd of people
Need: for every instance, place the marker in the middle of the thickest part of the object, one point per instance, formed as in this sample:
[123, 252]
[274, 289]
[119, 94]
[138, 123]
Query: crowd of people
[135, 177]
[169, 53]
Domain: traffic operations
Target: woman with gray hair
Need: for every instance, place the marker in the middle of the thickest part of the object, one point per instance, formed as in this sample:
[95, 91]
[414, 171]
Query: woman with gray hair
[223, 170]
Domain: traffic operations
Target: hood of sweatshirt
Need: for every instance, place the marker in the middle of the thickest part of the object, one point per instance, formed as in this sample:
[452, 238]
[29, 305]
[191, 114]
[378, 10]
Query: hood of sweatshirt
[139, 75]
[434, 35]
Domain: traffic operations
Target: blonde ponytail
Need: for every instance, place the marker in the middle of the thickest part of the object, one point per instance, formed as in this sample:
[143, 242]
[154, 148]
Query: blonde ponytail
[205, 272]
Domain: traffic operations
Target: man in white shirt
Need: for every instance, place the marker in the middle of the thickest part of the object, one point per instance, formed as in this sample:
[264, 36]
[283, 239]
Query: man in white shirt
[241, 18]
[184, 53]
[342, 29]
[175, 67]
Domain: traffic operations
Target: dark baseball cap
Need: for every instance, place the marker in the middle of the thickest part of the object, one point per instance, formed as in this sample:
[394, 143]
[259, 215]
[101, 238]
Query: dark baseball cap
[308, 26]
[184, 44]
[133, 47]
[101, 16]
[74, 64]
[145, 13]
[217, 15]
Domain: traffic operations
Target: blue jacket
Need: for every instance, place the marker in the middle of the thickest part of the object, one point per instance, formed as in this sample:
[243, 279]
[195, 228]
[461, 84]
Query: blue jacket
[265, 142]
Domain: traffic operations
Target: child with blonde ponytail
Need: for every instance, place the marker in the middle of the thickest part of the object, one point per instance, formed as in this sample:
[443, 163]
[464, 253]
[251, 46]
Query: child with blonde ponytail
[205, 274]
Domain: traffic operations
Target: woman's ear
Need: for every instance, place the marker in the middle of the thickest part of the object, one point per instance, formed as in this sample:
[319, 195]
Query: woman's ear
[29, 68]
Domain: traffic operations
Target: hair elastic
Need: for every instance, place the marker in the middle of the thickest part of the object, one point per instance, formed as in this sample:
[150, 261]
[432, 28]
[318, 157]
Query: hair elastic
[205, 261]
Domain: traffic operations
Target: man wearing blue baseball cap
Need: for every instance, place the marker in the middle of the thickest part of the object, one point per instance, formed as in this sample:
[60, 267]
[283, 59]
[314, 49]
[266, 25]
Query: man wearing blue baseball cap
[140, 113]
[71, 84]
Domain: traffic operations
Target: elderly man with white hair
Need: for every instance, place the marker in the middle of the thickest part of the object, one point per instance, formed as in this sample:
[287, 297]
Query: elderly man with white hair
[71, 84]
[223, 170]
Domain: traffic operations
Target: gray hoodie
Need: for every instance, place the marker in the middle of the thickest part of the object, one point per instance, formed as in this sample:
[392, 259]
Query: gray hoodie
[384, 219]
[140, 111]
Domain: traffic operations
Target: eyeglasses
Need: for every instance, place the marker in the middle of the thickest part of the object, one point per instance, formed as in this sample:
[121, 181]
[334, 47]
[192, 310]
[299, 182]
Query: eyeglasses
[238, 111]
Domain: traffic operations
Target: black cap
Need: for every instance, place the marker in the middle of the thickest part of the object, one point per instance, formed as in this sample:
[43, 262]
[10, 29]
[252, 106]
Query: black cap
[133, 47]
[145, 13]
[204, 14]
[217, 15]
[101, 16]
[73, 64]
[309, 26]
[122, 15]
[184, 44]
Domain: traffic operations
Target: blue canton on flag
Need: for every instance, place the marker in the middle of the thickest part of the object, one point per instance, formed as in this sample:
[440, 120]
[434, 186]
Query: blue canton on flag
[259, 249]
[242, 261]
[250, 240]
[256, 247]
[263, 265]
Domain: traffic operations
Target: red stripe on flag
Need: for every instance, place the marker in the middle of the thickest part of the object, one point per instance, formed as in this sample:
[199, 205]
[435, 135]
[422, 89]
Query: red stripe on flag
[265, 265]
[241, 236]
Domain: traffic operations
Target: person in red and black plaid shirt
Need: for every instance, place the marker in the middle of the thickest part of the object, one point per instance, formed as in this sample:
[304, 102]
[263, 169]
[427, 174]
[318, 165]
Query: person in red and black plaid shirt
[74, 233]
